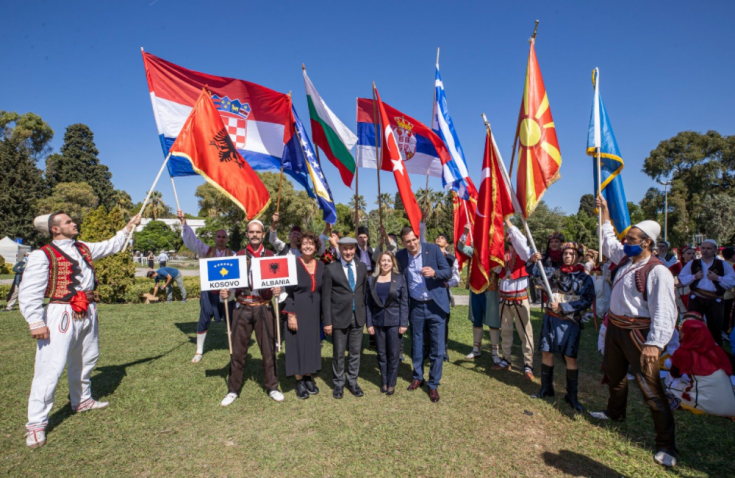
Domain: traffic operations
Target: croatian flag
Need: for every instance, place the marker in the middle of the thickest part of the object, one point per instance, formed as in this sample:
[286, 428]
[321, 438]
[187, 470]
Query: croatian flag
[258, 119]
[422, 151]
[454, 171]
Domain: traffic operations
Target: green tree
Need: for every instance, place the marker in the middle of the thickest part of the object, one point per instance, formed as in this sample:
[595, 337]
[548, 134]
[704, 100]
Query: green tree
[636, 213]
[115, 273]
[718, 218]
[361, 208]
[386, 200]
[542, 223]
[156, 207]
[122, 200]
[78, 162]
[157, 236]
[587, 204]
[24, 140]
[345, 220]
[75, 199]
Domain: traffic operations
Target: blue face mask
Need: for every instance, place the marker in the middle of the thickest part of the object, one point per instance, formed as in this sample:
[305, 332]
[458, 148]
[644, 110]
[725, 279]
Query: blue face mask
[632, 251]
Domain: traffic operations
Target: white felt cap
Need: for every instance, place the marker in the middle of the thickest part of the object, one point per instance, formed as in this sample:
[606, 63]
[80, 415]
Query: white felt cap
[651, 228]
[41, 224]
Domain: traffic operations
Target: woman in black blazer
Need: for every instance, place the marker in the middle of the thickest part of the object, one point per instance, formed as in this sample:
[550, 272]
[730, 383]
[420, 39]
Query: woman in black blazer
[387, 317]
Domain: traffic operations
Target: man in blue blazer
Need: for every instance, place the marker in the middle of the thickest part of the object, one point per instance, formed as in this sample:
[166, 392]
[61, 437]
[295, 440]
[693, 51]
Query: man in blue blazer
[426, 271]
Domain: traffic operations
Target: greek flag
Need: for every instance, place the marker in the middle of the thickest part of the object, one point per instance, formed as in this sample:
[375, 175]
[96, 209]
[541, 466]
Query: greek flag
[454, 171]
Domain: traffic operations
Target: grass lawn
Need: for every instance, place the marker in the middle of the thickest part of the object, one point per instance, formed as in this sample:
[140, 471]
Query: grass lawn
[164, 417]
[7, 276]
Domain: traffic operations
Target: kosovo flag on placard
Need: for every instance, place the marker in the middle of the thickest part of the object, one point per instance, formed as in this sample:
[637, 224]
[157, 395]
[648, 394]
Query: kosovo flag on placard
[600, 135]
[206, 144]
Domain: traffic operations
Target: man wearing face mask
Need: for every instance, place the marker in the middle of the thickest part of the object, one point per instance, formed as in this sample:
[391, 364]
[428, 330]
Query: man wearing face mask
[709, 278]
[642, 316]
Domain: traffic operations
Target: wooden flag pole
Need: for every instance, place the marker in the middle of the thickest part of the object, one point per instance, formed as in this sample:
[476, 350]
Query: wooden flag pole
[599, 210]
[278, 326]
[227, 321]
[176, 196]
[517, 207]
[147, 198]
[518, 127]
[378, 158]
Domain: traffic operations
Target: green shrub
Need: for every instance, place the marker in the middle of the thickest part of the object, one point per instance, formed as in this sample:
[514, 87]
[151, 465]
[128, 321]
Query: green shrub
[5, 268]
[143, 285]
[4, 291]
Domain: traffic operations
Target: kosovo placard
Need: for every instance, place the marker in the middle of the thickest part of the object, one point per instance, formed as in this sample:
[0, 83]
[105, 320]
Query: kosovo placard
[223, 273]
[278, 271]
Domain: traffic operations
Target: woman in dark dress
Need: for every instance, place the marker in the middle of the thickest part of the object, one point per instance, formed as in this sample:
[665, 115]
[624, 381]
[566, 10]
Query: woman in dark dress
[387, 317]
[150, 258]
[304, 312]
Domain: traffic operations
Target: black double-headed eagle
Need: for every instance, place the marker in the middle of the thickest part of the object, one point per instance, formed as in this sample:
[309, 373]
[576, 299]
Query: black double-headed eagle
[226, 149]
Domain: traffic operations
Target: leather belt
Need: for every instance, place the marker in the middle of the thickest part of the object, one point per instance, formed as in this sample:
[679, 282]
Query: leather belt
[625, 322]
[706, 294]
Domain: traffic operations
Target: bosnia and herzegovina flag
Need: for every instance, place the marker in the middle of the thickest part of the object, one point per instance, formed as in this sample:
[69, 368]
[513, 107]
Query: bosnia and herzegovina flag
[600, 136]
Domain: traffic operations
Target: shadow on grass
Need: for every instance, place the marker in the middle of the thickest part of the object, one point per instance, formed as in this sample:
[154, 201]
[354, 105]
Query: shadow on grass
[104, 383]
[574, 464]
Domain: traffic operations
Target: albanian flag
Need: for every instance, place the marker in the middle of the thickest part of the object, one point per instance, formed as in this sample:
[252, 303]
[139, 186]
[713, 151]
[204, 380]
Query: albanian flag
[205, 142]
[494, 204]
[539, 159]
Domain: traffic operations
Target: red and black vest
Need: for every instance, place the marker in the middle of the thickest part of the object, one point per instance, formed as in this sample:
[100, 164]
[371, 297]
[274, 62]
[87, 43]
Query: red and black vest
[515, 265]
[64, 272]
[718, 267]
[265, 294]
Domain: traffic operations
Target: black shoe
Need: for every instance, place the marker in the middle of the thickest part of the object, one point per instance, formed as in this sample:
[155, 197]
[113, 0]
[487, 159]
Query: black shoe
[572, 389]
[355, 390]
[446, 358]
[390, 391]
[547, 382]
[301, 391]
[337, 393]
[401, 358]
[383, 389]
[311, 386]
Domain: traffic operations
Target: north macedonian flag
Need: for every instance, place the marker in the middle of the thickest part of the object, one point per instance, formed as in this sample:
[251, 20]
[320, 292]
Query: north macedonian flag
[539, 159]
[205, 143]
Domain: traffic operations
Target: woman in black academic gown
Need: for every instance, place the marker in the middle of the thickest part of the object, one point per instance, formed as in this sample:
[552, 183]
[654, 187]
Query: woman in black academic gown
[387, 317]
[304, 312]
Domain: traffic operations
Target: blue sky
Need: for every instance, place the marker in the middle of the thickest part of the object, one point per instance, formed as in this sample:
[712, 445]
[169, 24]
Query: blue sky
[665, 67]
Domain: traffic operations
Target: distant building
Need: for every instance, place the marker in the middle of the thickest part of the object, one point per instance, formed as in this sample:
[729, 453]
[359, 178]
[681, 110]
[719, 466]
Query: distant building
[13, 252]
[174, 224]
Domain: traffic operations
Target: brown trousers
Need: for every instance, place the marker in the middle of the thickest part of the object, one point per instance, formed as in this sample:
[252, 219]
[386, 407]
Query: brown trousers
[245, 320]
[623, 348]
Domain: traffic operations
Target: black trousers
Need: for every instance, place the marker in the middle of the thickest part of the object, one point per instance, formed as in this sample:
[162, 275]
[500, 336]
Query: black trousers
[714, 311]
[389, 349]
[350, 340]
[247, 319]
[727, 326]
[623, 350]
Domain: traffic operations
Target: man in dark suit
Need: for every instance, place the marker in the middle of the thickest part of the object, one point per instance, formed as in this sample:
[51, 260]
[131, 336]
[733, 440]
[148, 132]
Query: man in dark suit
[426, 271]
[343, 308]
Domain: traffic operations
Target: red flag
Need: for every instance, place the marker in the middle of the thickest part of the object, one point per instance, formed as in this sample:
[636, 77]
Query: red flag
[391, 157]
[493, 206]
[464, 213]
[204, 141]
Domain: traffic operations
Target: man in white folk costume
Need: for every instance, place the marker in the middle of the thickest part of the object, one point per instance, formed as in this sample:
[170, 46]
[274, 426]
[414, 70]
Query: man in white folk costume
[210, 304]
[643, 317]
[67, 329]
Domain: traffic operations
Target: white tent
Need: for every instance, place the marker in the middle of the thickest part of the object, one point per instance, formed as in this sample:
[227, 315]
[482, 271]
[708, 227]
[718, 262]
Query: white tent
[11, 251]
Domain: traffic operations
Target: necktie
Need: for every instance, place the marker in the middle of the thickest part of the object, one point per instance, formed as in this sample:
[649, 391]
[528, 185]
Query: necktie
[351, 279]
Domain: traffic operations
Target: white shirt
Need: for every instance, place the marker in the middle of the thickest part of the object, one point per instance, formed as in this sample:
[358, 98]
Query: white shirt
[454, 281]
[35, 277]
[523, 253]
[671, 262]
[278, 244]
[193, 243]
[163, 257]
[626, 300]
[726, 282]
[354, 269]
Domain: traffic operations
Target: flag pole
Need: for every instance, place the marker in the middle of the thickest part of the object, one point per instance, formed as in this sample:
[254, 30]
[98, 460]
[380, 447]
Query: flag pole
[227, 321]
[517, 206]
[431, 124]
[176, 196]
[147, 198]
[280, 179]
[599, 210]
[378, 159]
[518, 126]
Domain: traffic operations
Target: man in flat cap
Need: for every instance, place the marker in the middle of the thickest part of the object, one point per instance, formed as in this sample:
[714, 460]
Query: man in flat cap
[343, 308]
[642, 317]
[709, 278]
[67, 329]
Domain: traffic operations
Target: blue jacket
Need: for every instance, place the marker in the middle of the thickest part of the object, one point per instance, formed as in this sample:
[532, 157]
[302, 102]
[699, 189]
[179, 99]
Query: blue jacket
[395, 309]
[434, 258]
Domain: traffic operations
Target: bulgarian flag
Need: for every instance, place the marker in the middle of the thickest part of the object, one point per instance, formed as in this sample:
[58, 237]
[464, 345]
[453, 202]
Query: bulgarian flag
[330, 134]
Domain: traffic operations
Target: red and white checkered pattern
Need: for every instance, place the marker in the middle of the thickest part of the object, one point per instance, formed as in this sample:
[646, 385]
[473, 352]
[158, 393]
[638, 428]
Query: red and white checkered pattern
[237, 128]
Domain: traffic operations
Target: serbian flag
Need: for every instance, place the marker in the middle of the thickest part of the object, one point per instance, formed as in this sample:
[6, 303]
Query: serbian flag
[206, 146]
[539, 159]
[464, 213]
[494, 204]
[423, 151]
[258, 119]
[391, 160]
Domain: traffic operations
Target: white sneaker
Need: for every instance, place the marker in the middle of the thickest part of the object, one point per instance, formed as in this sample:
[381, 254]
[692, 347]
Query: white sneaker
[229, 398]
[472, 355]
[197, 358]
[36, 438]
[664, 459]
[276, 395]
[600, 415]
[91, 404]
[496, 357]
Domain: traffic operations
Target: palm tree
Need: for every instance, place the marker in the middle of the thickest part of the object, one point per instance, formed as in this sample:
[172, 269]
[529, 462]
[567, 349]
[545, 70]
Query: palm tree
[361, 206]
[387, 201]
[156, 206]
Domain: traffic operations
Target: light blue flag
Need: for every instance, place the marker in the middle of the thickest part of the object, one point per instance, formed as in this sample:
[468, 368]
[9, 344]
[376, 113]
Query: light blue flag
[601, 137]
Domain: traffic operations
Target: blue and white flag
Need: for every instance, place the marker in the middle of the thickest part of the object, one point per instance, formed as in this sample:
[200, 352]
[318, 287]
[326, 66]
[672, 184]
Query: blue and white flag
[454, 171]
[600, 137]
[298, 155]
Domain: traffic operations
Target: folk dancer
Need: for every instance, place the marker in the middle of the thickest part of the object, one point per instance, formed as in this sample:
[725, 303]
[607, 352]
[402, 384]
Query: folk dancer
[642, 321]
[210, 305]
[67, 330]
